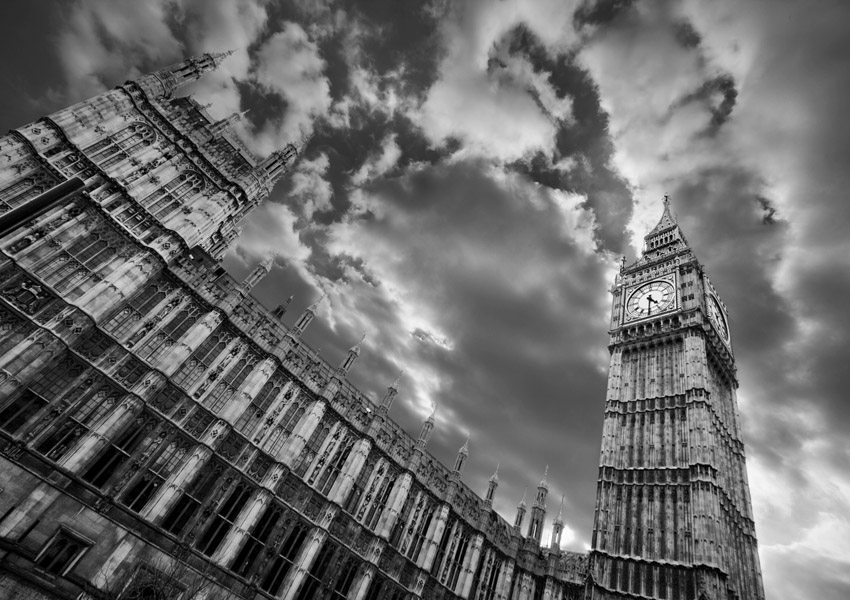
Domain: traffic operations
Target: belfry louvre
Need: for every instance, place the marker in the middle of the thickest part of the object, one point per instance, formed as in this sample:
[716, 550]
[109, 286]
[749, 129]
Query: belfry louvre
[164, 435]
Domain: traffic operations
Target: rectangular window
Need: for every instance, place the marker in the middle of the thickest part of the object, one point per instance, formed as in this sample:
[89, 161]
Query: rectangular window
[62, 551]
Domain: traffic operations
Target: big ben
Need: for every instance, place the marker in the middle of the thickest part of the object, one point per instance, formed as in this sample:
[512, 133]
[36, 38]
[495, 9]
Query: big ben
[673, 517]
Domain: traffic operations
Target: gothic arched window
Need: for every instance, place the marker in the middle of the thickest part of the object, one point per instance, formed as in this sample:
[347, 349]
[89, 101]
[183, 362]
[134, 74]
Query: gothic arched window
[152, 478]
[376, 495]
[25, 189]
[329, 464]
[172, 195]
[156, 346]
[71, 268]
[121, 145]
[251, 417]
[138, 307]
[200, 360]
[230, 383]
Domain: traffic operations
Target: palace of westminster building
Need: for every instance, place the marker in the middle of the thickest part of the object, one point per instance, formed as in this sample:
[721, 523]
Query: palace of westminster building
[155, 415]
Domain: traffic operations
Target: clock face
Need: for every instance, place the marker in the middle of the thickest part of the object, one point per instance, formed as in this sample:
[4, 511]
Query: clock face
[715, 313]
[651, 299]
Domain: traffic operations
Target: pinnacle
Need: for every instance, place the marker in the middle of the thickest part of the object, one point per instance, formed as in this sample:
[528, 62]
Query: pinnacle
[395, 383]
[667, 220]
[315, 306]
[465, 448]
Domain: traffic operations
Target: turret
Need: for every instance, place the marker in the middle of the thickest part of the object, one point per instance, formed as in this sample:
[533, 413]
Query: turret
[259, 181]
[163, 83]
[427, 428]
[234, 297]
[226, 125]
[520, 511]
[389, 395]
[259, 272]
[558, 528]
[538, 509]
[305, 319]
[666, 236]
[462, 455]
[491, 487]
[350, 357]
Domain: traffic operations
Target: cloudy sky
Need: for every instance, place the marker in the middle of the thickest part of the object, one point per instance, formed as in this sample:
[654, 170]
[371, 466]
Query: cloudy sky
[477, 169]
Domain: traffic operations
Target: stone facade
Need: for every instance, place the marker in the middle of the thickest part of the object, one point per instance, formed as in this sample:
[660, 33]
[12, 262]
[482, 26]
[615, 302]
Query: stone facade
[673, 514]
[154, 415]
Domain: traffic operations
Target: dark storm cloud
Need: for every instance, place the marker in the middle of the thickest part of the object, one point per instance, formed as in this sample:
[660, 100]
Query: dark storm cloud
[584, 137]
[719, 95]
[600, 12]
[686, 34]
[511, 315]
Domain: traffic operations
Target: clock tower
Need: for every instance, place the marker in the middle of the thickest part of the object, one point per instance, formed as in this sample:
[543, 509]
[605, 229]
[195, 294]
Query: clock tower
[673, 517]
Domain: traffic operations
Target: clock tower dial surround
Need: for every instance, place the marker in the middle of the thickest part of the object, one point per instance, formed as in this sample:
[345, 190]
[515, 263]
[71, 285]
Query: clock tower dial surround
[673, 516]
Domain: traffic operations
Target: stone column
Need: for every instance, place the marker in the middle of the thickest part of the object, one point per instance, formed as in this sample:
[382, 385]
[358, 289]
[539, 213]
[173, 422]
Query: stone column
[359, 589]
[470, 564]
[302, 432]
[183, 348]
[394, 505]
[49, 344]
[167, 495]
[302, 565]
[435, 534]
[310, 474]
[350, 471]
[247, 518]
[503, 584]
[548, 590]
[122, 283]
[252, 385]
[92, 442]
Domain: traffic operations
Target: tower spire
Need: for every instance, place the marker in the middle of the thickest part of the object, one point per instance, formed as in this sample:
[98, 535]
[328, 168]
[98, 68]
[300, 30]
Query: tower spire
[352, 355]
[462, 455]
[666, 236]
[389, 395]
[427, 428]
[493, 483]
[520, 511]
[163, 83]
[557, 528]
[220, 127]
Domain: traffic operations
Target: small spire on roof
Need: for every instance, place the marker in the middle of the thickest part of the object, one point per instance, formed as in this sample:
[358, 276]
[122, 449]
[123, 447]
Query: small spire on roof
[524, 492]
[315, 306]
[495, 476]
[397, 380]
